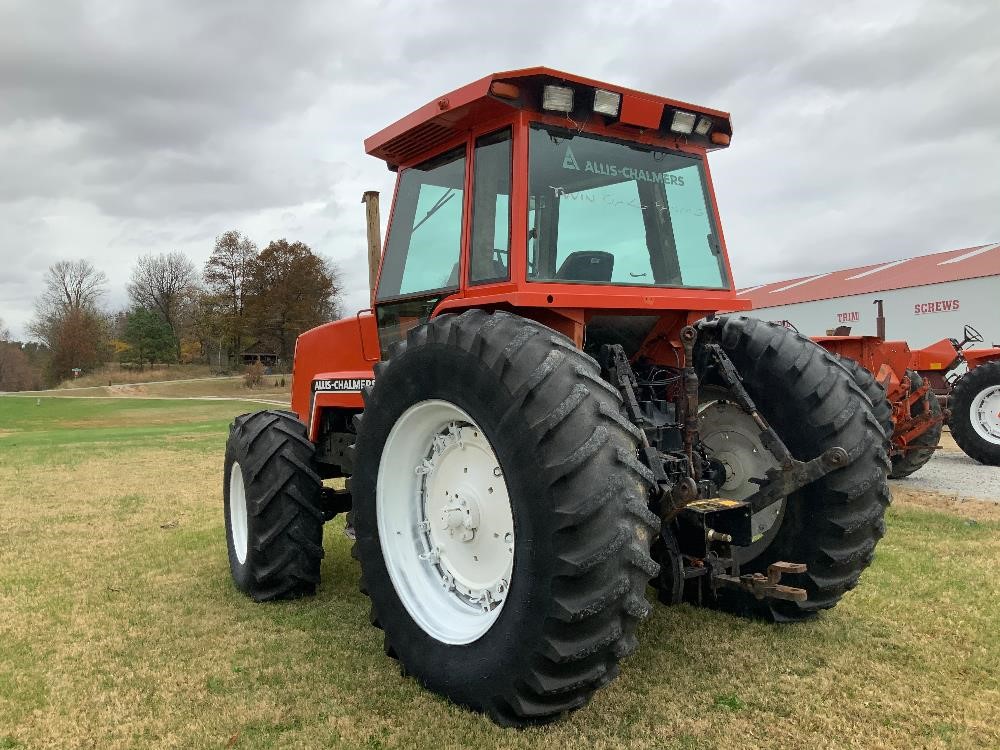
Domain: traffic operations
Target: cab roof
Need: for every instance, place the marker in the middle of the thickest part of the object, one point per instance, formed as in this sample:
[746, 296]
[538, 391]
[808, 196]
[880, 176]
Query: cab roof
[440, 120]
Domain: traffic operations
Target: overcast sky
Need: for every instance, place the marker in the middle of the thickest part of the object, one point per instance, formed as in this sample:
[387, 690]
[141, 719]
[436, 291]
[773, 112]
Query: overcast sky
[862, 131]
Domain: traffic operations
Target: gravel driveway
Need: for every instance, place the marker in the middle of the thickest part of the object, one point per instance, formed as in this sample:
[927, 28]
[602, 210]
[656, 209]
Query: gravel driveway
[953, 473]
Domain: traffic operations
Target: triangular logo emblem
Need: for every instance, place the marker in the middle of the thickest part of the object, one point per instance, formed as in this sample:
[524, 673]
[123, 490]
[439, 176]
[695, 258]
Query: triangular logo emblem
[569, 161]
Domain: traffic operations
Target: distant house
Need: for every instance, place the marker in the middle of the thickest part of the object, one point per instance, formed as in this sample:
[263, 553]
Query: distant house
[263, 354]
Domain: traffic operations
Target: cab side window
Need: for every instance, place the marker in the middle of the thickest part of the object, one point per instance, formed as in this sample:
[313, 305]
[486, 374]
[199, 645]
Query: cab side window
[425, 239]
[489, 255]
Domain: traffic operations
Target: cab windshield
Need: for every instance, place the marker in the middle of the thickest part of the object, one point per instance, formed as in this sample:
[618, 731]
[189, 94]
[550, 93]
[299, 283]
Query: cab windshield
[605, 212]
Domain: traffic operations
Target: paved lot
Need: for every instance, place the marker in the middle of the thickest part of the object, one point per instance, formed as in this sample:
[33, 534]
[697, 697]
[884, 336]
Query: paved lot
[953, 473]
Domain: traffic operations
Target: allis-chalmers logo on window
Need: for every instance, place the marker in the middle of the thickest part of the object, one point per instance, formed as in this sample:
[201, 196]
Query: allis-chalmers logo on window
[938, 306]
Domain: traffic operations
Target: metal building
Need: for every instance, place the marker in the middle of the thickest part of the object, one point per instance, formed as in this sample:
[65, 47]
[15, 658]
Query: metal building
[926, 299]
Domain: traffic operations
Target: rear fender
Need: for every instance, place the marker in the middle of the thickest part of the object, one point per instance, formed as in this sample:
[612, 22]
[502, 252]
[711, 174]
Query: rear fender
[976, 357]
[940, 356]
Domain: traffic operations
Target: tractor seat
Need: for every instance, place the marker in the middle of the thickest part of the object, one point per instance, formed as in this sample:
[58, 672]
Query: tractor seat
[587, 265]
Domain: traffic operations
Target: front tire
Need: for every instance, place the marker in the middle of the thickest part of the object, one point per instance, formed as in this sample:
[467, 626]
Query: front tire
[975, 413]
[271, 498]
[566, 479]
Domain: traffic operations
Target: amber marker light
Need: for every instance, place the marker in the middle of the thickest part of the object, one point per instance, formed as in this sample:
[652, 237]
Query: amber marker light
[504, 90]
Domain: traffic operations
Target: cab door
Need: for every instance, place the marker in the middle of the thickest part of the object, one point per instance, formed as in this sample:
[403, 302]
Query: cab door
[422, 260]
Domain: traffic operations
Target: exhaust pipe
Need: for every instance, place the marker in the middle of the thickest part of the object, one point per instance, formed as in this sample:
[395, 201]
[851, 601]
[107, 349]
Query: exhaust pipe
[370, 199]
[879, 320]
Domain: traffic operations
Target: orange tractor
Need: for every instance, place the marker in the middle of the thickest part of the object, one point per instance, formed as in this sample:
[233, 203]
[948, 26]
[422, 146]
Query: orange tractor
[541, 412]
[915, 392]
[972, 397]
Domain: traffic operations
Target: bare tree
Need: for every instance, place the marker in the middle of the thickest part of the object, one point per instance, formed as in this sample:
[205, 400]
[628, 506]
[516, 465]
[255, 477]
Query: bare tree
[166, 284]
[332, 270]
[226, 274]
[16, 370]
[73, 285]
[68, 318]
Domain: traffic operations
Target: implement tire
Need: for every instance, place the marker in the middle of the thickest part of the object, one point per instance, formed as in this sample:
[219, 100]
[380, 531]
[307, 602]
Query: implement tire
[568, 489]
[907, 462]
[271, 491]
[975, 414]
[813, 404]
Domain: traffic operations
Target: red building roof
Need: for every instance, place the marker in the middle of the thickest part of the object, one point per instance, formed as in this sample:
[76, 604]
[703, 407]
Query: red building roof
[951, 265]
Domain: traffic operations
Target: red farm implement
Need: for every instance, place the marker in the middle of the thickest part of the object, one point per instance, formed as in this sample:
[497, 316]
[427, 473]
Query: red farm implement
[914, 392]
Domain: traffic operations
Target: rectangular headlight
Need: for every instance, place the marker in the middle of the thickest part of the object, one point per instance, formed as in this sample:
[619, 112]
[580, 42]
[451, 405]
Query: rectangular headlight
[703, 126]
[557, 98]
[607, 102]
[683, 122]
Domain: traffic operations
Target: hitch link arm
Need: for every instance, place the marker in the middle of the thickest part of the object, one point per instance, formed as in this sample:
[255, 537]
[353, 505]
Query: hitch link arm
[622, 377]
[768, 586]
[792, 474]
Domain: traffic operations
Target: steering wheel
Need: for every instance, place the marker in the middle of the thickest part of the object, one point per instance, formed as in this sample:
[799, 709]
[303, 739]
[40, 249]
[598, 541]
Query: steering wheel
[971, 336]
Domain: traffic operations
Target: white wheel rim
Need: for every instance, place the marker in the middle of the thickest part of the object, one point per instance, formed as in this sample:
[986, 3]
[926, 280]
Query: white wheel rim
[985, 414]
[238, 512]
[445, 522]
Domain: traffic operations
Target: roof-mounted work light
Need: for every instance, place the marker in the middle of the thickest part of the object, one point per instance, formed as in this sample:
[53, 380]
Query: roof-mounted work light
[703, 126]
[683, 122]
[557, 98]
[607, 102]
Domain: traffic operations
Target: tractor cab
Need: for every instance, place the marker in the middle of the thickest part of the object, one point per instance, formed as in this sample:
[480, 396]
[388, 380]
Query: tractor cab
[586, 206]
[539, 189]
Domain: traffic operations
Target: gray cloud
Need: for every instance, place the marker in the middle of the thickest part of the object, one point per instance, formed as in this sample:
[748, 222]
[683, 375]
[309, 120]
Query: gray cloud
[862, 132]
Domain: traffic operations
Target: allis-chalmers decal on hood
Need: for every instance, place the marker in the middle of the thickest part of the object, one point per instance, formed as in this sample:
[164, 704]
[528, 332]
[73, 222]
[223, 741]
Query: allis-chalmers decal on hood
[339, 385]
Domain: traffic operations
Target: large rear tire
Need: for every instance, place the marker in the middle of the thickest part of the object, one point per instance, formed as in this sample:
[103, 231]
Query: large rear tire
[834, 523]
[924, 445]
[881, 408]
[271, 494]
[464, 391]
[975, 413]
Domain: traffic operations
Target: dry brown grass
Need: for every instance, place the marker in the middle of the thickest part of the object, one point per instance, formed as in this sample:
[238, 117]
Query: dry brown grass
[968, 508]
[116, 375]
[948, 443]
[119, 628]
[227, 387]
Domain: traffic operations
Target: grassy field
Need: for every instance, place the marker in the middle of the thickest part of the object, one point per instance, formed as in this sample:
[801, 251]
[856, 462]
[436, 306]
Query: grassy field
[119, 626]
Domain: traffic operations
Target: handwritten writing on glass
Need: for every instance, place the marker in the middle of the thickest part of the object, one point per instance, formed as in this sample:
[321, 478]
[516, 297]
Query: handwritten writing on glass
[589, 196]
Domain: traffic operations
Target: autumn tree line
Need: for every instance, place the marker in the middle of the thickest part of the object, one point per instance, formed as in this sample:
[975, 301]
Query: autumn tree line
[244, 302]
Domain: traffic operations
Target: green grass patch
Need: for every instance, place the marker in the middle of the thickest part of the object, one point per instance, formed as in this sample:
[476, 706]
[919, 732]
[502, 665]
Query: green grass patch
[65, 431]
[120, 628]
[20, 414]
